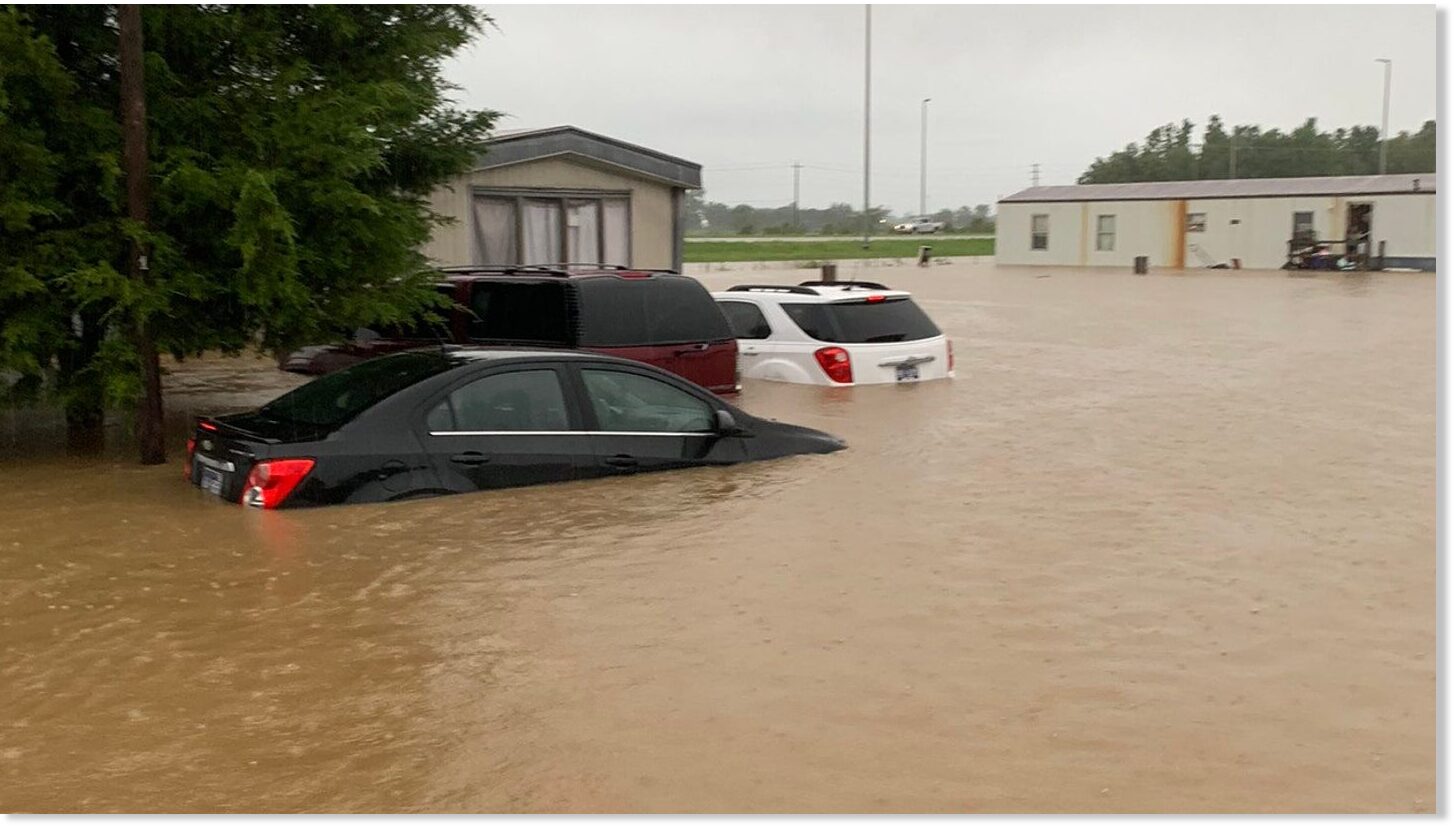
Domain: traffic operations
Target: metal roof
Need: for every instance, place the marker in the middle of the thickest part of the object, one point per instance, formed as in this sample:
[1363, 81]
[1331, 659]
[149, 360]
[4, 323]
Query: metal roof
[522, 145]
[1333, 185]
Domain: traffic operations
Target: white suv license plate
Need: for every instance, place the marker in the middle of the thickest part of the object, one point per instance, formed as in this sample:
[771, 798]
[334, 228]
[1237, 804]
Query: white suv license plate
[211, 481]
[905, 373]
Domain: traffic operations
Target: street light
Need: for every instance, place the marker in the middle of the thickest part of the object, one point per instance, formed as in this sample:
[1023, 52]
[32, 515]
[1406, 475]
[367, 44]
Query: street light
[1383, 135]
[923, 154]
[867, 104]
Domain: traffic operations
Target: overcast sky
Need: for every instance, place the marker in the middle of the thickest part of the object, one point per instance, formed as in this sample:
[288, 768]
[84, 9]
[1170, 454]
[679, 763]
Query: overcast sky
[759, 87]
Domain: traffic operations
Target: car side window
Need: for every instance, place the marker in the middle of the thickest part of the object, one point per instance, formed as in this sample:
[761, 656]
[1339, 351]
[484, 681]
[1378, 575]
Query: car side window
[632, 402]
[514, 401]
[746, 320]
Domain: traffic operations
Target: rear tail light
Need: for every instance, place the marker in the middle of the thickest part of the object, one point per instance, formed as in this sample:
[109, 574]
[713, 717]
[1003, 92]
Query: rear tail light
[187, 458]
[271, 481]
[949, 343]
[835, 364]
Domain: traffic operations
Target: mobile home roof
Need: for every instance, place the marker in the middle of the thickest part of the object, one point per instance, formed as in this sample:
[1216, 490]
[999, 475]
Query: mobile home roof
[1338, 185]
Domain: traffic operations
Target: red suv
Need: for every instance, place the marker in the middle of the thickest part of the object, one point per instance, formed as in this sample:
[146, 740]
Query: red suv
[658, 317]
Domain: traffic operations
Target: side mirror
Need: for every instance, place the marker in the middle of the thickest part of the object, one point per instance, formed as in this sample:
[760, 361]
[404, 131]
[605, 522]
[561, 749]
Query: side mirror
[727, 425]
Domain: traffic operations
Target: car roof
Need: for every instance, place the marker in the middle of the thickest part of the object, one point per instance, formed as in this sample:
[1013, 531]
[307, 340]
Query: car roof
[462, 355]
[811, 292]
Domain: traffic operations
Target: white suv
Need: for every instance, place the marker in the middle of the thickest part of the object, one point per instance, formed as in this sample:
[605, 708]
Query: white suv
[838, 333]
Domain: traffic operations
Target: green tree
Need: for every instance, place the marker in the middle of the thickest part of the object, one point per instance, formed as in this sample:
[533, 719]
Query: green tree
[1168, 154]
[292, 149]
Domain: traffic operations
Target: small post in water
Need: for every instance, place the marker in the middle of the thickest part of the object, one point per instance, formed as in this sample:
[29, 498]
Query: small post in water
[830, 272]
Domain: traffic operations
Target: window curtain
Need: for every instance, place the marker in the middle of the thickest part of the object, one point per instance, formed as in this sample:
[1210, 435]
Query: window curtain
[615, 220]
[583, 231]
[495, 231]
[542, 232]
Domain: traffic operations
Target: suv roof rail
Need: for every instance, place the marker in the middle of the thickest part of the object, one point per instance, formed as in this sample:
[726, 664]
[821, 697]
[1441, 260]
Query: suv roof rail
[604, 266]
[534, 270]
[848, 284]
[562, 269]
[774, 289]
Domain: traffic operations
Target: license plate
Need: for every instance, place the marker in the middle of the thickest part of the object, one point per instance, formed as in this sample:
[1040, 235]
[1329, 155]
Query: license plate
[211, 481]
[903, 373]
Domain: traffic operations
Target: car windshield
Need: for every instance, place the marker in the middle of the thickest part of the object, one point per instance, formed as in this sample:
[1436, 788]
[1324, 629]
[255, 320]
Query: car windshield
[895, 319]
[335, 399]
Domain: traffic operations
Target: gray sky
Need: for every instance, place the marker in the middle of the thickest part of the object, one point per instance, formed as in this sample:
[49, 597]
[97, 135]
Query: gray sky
[734, 87]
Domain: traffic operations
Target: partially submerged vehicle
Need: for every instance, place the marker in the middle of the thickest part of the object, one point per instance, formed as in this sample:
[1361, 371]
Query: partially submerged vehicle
[658, 317]
[449, 420]
[835, 333]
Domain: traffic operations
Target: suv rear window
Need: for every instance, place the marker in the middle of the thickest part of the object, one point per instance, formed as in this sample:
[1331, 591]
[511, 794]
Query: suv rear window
[896, 319]
[334, 399]
[661, 310]
[532, 312]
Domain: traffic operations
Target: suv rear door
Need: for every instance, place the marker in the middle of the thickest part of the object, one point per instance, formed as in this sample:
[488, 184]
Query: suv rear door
[889, 337]
[662, 319]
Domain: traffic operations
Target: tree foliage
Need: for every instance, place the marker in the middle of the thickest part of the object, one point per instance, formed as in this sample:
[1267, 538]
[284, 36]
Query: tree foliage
[291, 151]
[710, 218]
[1169, 154]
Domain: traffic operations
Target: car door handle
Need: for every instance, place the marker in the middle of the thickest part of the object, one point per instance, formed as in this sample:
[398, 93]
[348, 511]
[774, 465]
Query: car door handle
[695, 349]
[749, 350]
[470, 458]
[622, 461]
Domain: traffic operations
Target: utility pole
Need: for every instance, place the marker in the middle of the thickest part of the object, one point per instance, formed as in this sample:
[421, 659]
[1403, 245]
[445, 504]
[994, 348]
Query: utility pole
[797, 169]
[133, 160]
[1034, 175]
[924, 156]
[867, 85]
[1383, 135]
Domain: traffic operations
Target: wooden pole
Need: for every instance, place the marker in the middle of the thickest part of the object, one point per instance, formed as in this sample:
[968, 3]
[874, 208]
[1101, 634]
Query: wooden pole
[150, 432]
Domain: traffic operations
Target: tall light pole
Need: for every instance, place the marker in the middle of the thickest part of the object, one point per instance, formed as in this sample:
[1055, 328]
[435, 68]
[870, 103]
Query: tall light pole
[797, 171]
[867, 81]
[1383, 135]
[924, 155]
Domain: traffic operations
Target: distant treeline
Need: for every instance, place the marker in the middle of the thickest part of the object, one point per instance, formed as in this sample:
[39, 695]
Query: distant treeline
[1170, 154]
[712, 218]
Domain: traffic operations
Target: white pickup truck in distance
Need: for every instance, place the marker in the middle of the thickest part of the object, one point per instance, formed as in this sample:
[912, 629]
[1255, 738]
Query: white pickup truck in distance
[839, 333]
[919, 225]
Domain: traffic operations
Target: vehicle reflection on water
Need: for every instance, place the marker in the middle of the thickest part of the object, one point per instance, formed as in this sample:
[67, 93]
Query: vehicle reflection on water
[1165, 544]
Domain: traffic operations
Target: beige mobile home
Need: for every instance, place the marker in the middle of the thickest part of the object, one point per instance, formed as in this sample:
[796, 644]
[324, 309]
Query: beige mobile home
[563, 194]
[1189, 224]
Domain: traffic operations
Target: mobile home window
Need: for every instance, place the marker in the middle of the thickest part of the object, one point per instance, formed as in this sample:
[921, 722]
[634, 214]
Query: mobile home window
[1196, 222]
[539, 228]
[1105, 232]
[1040, 231]
[1302, 226]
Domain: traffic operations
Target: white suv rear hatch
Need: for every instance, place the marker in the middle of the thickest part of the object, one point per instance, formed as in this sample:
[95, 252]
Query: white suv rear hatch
[887, 336]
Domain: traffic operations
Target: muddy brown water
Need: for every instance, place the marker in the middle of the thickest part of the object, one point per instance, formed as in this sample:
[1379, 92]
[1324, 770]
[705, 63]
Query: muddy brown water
[1167, 543]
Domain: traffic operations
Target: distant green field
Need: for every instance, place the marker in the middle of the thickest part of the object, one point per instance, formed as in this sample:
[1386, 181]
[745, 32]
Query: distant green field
[820, 251]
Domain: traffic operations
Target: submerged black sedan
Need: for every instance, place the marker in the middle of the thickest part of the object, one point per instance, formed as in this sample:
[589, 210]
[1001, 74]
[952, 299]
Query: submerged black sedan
[448, 420]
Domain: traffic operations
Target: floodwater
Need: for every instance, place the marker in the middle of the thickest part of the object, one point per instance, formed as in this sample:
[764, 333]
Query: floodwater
[1166, 544]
